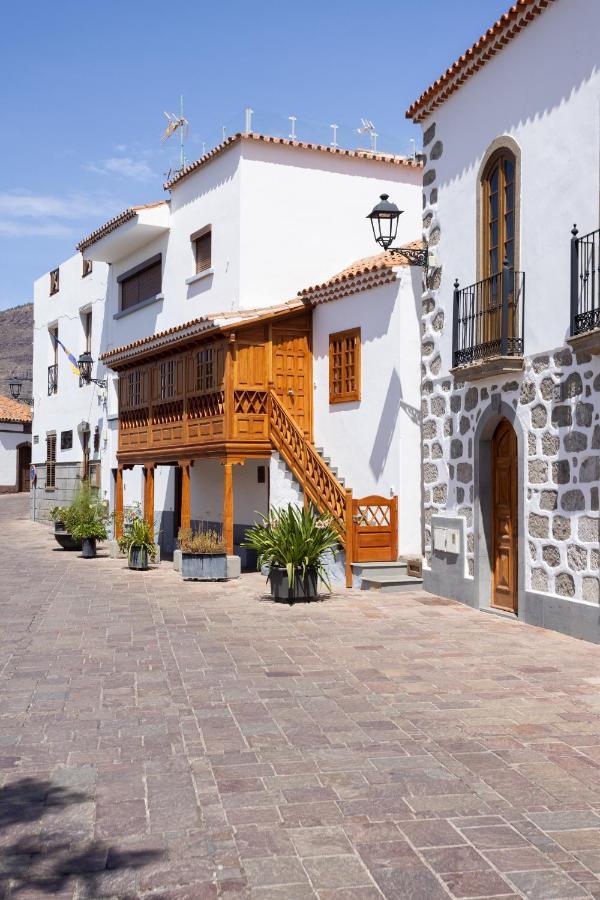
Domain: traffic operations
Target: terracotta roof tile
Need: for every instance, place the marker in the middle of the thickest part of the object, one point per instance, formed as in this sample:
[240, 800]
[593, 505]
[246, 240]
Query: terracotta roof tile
[388, 158]
[11, 411]
[521, 14]
[127, 214]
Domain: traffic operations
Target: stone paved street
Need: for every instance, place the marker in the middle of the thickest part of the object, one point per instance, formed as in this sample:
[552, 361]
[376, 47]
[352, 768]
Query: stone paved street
[169, 740]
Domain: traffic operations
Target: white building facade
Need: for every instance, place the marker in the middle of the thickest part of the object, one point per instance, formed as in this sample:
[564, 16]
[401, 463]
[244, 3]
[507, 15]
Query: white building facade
[70, 431]
[511, 322]
[15, 446]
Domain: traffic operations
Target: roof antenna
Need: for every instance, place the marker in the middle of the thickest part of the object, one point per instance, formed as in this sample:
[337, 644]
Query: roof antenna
[368, 127]
[293, 120]
[177, 122]
[248, 125]
[334, 128]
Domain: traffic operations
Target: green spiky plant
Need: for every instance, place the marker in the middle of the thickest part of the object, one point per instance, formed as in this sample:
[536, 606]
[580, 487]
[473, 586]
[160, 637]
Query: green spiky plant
[296, 539]
[138, 536]
[86, 516]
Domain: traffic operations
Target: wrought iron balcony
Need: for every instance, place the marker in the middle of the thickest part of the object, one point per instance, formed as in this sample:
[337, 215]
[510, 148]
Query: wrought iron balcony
[52, 379]
[585, 281]
[488, 318]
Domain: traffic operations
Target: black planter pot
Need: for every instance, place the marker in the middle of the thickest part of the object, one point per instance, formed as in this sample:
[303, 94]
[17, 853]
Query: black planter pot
[138, 557]
[305, 588]
[62, 537]
[88, 548]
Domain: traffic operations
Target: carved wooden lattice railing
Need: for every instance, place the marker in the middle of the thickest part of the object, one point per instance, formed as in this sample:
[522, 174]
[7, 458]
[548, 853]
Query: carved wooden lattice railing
[318, 482]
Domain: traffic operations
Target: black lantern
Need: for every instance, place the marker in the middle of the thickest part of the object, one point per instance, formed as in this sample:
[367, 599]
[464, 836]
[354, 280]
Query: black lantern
[384, 221]
[85, 363]
[16, 386]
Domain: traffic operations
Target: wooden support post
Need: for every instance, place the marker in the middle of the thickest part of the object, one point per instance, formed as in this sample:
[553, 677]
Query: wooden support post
[349, 538]
[186, 507]
[228, 506]
[119, 502]
[149, 495]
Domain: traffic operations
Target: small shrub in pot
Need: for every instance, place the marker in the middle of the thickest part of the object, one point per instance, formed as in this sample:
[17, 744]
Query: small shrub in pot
[85, 520]
[58, 515]
[203, 555]
[138, 543]
[294, 544]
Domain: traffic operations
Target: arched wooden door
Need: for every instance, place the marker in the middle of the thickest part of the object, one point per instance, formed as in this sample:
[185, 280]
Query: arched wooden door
[505, 524]
[23, 467]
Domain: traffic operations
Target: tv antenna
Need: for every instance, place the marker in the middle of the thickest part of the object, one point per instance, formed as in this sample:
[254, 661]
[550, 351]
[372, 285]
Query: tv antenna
[367, 127]
[177, 123]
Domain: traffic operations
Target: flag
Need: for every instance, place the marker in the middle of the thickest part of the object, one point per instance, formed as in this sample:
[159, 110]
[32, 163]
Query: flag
[72, 361]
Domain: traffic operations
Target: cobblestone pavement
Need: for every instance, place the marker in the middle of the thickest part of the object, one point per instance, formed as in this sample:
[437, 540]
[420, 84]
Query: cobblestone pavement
[169, 740]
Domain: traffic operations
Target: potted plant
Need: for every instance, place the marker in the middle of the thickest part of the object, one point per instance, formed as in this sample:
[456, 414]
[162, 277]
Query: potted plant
[294, 544]
[58, 515]
[138, 543]
[85, 520]
[203, 555]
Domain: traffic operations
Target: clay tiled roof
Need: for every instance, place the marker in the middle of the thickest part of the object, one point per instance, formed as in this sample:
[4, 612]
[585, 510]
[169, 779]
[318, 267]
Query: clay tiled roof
[388, 158]
[360, 276]
[11, 411]
[127, 214]
[501, 33]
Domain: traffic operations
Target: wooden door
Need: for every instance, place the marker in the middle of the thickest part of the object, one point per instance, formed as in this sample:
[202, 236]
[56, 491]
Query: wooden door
[375, 524]
[24, 457]
[504, 518]
[292, 375]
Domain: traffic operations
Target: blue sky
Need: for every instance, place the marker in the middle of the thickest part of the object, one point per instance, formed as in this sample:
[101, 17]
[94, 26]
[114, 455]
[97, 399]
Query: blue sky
[84, 87]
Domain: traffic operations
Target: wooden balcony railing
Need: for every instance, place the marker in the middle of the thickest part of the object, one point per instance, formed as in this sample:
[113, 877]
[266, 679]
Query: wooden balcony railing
[52, 379]
[585, 281]
[488, 318]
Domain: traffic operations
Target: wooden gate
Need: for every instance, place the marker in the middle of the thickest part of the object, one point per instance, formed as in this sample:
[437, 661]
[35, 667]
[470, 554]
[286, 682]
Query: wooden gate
[375, 527]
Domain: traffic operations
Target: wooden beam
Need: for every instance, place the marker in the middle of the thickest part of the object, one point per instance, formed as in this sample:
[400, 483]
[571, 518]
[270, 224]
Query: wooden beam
[228, 505]
[149, 495]
[119, 502]
[186, 506]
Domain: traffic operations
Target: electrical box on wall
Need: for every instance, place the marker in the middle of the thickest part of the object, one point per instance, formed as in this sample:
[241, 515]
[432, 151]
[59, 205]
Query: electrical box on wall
[447, 540]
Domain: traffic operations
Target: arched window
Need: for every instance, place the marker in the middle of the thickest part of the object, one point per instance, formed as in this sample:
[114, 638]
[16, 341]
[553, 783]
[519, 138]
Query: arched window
[498, 207]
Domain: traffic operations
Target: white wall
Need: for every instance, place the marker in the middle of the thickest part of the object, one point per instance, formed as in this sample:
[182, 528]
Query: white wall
[375, 442]
[303, 216]
[543, 90]
[11, 435]
[72, 404]
[249, 497]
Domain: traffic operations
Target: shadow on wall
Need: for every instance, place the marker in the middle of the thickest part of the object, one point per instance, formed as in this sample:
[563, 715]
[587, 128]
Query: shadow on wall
[387, 424]
[49, 859]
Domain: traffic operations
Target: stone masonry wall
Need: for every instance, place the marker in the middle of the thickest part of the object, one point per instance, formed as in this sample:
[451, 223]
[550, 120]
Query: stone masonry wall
[562, 467]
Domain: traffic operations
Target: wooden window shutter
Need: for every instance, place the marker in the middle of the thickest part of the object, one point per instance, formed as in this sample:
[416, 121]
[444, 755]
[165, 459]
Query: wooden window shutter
[344, 366]
[51, 460]
[141, 285]
[203, 249]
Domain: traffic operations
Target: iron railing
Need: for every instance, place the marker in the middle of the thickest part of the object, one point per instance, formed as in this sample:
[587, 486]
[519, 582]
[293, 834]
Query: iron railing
[488, 318]
[52, 379]
[585, 281]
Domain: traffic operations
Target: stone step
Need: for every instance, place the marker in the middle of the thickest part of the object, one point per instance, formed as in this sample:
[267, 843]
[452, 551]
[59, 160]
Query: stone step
[376, 569]
[391, 584]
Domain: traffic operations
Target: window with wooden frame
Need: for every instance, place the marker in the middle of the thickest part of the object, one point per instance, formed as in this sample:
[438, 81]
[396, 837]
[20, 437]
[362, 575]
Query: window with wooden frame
[205, 369]
[51, 461]
[141, 283]
[498, 208]
[134, 388]
[86, 268]
[344, 366]
[202, 241]
[167, 379]
[54, 281]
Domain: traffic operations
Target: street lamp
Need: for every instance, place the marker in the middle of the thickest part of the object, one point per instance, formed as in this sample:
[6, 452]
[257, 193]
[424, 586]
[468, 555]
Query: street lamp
[384, 222]
[16, 386]
[85, 363]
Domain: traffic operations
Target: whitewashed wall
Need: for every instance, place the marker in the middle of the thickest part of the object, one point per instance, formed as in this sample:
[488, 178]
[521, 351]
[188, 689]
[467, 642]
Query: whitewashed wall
[375, 442]
[11, 435]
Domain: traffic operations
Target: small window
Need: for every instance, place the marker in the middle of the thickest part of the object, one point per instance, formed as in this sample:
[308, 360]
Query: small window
[167, 379]
[54, 281]
[86, 268]
[66, 440]
[261, 474]
[205, 370]
[203, 251]
[134, 388]
[141, 283]
[87, 330]
[51, 461]
[344, 366]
